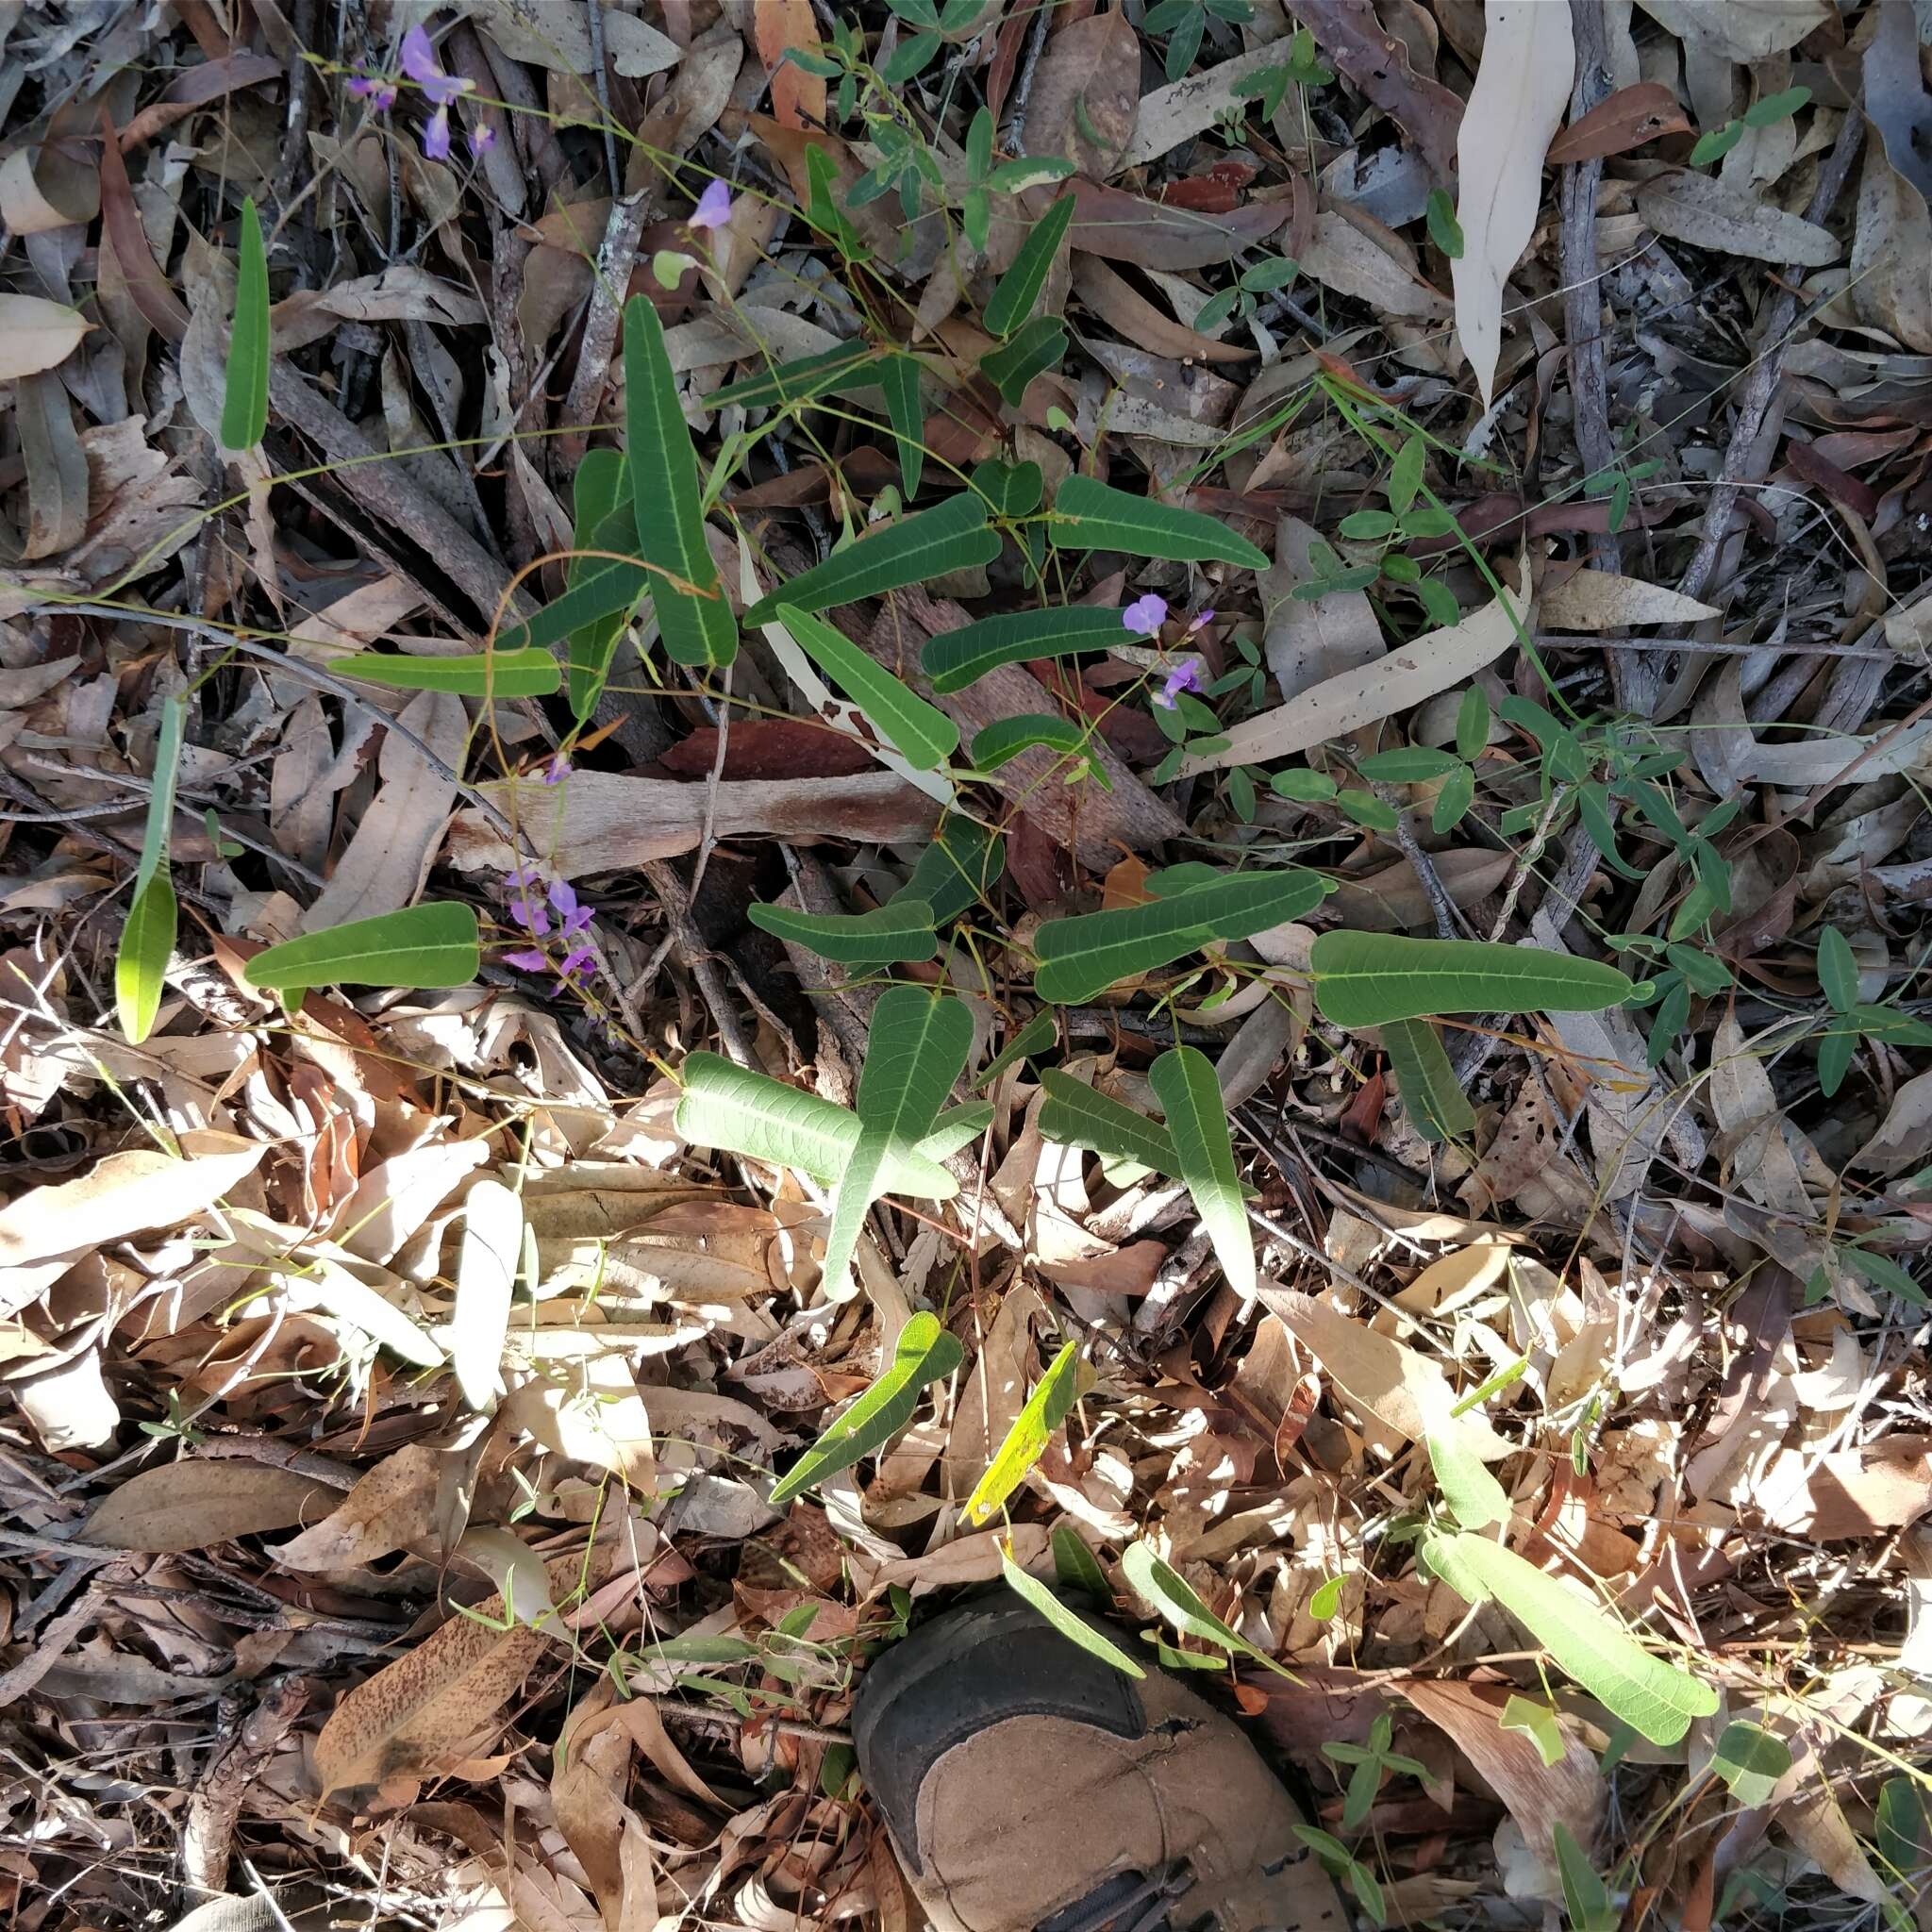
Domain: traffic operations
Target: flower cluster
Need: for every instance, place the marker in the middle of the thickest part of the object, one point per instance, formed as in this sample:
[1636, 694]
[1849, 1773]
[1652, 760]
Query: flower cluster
[1144, 617]
[440, 90]
[531, 910]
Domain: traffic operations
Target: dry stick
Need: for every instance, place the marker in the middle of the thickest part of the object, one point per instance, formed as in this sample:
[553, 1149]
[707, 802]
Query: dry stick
[1760, 385]
[616, 255]
[698, 954]
[1450, 924]
[1016, 119]
[603, 82]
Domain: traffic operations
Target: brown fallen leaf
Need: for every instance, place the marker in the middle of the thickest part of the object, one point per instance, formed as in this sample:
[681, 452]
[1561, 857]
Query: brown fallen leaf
[1125, 228]
[1850, 1492]
[1348, 32]
[798, 98]
[391, 1507]
[1628, 119]
[201, 1501]
[1087, 93]
[1138, 321]
[1696, 208]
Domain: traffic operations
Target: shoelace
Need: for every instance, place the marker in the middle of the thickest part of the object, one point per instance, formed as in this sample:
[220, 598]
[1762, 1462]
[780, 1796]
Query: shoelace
[1141, 1907]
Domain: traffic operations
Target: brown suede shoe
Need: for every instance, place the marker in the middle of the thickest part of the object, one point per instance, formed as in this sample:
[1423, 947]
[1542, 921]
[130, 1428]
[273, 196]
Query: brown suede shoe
[1029, 1787]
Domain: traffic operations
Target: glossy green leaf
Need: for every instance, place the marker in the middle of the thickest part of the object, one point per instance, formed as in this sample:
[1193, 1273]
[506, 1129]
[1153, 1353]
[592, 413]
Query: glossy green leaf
[1652, 1697]
[921, 733]
[1020, 287]
[1428, 1083]
[1413, 764]
[697, 625]
[1011, 489]
[1087, 515]
[955, 659]
[1369, 979]
[1041, 1033]
[244, 398]
[1040, 345]
[1077, 1115]
[1174, 1598]
[430, 945]
[1005, 739]
[926, 1353]
[1881, 1271]
[1069, 1623]
[1183, 1081]
[726, 1106]
[1585, 1898]
[140, 958]
[899, 381]
[889, 936]
[1046, 1408]
[960, 866]
[1838, 970]
[915, 1049]
[1751, 1761]
[806, 379]
[606, 590]
[529, 673]
[953, 536]
[1774, 108]
[1080, 957]
[1474, 1497]
[1405, 474]
[600, 492]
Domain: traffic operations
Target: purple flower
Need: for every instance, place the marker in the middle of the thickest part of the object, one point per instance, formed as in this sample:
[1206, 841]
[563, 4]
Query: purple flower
[523, 879]
[529, 914]
[557, 770]
[1200, 620]
[530, 960]
[579, 959]
[1186, 675]
[1145, 615]
[379, 92]
[572, 917]
[436, 135]
[421, 64]
[713, 210]
[481, 140]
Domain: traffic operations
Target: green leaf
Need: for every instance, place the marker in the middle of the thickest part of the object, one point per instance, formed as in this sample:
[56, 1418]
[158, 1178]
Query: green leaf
[1585, 1897]
[892, 934]
[921, 733]
[1366, 809]
[951, 535]
[528, 674]
[1039, 1035]
[979, 134]
[1076, 1567]
[1405, 472]
[1835, 1051]
[1025, 1442]
[1303, 786]
[1538, 1723]
[1472, 722]
[1174, 1597]
[955, 659]
[1020, 287]
[909, 59]
[1751, 1761]
[1453, 801]
[1039, 346]
[963, 862]
[1011, 489]
[915, 1049]
[1082, 957]
[926, 1353]
[600, 494]
[244, 401]
[726, 1106]
[1881, 1271]
[1326, 1600]
[1070, 1623]
[1087, 515]
[1369, 979]
[1428, 1083]
[162, 792]
[1838, 970]
[1445, 231]
[1367, 525]
[1900, 1820]
[1474, 1497]
[140, 960]
[1413, 764]
[697, 624]
[606, 590]
[1652, 1697]
[430, 945]
[1183, 1081]
[1077, 1115]
[1005, 739]
[848, 366]
[1029, 170]
[1716, 143]
[899, 380]
[1774, 108]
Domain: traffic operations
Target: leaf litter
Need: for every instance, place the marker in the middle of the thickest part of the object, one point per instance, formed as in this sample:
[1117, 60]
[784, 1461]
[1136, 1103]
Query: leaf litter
[1310, 617]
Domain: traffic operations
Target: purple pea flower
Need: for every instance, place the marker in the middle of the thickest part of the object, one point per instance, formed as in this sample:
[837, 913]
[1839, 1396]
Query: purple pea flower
[481, 140]
[528, 960]
[713, 210]
[1145, 615]
[557, 770]
[579, 959]
[1186, 675]
[379, 92]
[436, 135]
[1199, 622]
[572, 917]
[421, 64]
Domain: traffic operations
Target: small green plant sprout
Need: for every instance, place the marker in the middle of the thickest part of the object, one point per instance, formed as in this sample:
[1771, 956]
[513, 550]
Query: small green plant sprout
[1849, 1019]
[1263, 278]
[984, 179]
[1716, 143]
[1185, 21]
[1445, 231]
[1337, 1857]
[1381, 534]
[176, 1425]
[1268, 89]
[1616, 484]
[1373, 1762]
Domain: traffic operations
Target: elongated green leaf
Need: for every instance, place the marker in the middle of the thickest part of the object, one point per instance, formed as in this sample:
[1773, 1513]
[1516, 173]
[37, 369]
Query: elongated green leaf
[1077, 1115]
[899, 380]
[1081, 957]
[804, 380]
[1046, 1408]
[1037, 1036]
[1585, 1898]
[1087, 515]
[921, 733]
[1069, 1623]
[728, 1105]
[955, 659]
[477, 674]
[608, 590]
[1174, 1597]
[1474, 1497]
[1370, 978]
[600, 494]
[1652, 1697]
[1430, 1091]
[952, 1130]
[244, 398]
[951, 535]
[1183, 1079]
[1019, 290]
[1751, 1761]
[1538, 1723]
[889, 936]
[1076, 1567]
[160, 799]
[697, 628]
[926, 1354]
[915, 1049]
[140, 960]
[960, 866]
[1040, 345]
[1838, 970]
[428, 945]
[1005, 739]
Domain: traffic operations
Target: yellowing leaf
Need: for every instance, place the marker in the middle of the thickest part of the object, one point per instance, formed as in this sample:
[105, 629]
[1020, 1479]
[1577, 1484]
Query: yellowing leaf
[36, 334]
